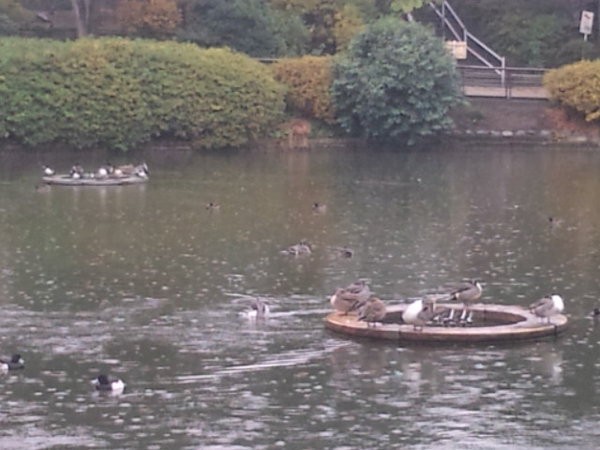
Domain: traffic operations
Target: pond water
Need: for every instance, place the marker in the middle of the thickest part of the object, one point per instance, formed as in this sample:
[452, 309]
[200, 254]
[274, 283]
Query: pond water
[145, 283]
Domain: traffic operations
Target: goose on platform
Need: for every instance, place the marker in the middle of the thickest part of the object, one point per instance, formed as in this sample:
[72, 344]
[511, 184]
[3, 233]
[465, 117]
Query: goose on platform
[467, 292]
[373, 311]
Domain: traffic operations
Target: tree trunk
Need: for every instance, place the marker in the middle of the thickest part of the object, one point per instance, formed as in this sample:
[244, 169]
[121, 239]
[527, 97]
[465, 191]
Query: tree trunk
[81, 28]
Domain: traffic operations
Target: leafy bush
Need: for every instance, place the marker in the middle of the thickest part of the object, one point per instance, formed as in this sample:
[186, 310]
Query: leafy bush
[577, 86]
[308, 80]
[119, 93]
[396, 82]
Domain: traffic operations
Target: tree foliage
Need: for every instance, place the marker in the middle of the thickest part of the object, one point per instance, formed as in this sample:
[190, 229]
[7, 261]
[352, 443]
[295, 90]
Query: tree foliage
[577, 86]
[8, 27]
[332, 23]
[528, 33]
[120, 93]
[308, 81]
[15, 11]
[248, 26]
[149, 17]
[396, 83]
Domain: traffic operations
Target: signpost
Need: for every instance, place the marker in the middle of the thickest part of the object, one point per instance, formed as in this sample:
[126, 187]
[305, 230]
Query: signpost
[586, 23]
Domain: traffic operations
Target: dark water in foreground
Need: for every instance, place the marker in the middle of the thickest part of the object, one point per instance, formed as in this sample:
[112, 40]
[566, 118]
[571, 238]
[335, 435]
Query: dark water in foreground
[144, 282]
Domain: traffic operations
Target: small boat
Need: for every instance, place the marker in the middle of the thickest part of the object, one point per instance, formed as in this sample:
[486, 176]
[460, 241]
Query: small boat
[68, 180]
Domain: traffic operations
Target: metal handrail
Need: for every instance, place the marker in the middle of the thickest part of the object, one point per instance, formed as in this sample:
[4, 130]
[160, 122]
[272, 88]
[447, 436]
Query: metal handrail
[467, 37]
[515, 82]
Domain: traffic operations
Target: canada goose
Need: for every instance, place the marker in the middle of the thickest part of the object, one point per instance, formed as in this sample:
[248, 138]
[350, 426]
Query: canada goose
[345, 302]
[359, 288]
[351, 298]
[372, 311]
[467, 292]
[419, 312]
[302, 248]
[77, 172]
[547, 306]
[108, 384]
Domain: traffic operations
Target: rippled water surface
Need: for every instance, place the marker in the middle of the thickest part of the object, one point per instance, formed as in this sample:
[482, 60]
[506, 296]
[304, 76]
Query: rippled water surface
[145, 283]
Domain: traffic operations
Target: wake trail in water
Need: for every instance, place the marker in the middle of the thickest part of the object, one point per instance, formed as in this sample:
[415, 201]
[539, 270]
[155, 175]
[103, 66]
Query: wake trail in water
[287, 359]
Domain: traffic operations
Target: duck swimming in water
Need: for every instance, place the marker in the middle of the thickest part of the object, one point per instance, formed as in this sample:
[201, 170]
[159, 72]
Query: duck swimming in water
[302, 248]
[319, 208]
[259, 309]
[105, 383]
[342, 252]
[14, 363]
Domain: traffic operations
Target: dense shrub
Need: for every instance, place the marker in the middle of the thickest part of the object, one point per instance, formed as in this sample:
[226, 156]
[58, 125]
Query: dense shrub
[308, 80]
[396, 82]
[119, 93]
[577, 86]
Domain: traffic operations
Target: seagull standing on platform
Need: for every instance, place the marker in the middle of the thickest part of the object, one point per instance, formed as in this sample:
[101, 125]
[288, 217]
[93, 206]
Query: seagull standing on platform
[419, 312]
[547, 306]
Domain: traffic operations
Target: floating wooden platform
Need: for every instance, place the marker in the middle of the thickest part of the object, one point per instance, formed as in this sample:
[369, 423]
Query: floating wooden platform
[67, 180]
[492, 323]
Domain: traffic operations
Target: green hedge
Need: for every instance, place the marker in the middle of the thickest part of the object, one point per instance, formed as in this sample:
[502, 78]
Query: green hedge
[120, 93]
[577, 86]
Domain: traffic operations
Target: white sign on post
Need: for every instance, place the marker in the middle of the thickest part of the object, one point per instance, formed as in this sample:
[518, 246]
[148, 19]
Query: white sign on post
[586, 23]
[458, 49]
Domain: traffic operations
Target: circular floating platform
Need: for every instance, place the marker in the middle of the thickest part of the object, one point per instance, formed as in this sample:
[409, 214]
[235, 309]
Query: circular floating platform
[67, 180]
[491, 323]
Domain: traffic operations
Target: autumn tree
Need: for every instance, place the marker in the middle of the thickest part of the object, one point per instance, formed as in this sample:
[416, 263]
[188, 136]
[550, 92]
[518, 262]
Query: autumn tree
[149, 17]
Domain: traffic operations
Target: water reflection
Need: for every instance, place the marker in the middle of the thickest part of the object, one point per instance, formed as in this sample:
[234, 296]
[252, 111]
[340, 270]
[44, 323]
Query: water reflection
[145, 283]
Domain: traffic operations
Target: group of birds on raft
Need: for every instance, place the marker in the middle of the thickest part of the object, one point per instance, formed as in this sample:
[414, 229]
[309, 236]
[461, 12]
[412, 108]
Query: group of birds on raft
[357, 298]
[105, 171]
